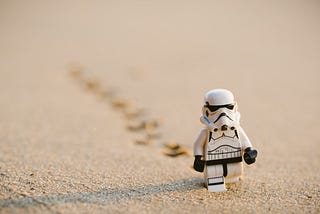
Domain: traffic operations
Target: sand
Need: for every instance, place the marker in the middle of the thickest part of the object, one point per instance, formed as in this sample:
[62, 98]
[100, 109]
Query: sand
[92, 91]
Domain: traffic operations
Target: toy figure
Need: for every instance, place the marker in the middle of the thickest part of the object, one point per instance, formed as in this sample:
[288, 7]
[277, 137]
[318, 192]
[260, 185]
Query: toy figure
[222, 144]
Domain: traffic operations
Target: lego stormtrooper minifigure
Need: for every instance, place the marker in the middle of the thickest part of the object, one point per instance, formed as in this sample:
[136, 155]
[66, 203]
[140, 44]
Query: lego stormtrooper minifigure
[222, 144]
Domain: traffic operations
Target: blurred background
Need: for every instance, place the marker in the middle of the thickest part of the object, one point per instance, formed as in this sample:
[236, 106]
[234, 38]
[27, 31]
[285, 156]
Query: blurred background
[166, 54]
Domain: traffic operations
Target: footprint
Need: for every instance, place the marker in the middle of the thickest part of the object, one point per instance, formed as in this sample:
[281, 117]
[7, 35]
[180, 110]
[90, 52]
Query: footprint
[104, 93]
[133, 113]
[173, 149]
[92, 85]
[154, 135]
[76, 71]
[121, 104]
[144, 141]
[144, 125]
[136, 126]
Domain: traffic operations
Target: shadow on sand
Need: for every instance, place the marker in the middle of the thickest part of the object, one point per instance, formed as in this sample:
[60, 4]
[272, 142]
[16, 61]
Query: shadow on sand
[104, 196]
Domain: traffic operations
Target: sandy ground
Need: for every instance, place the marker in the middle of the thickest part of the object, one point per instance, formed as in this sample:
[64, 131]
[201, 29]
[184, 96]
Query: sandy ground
[73, 74]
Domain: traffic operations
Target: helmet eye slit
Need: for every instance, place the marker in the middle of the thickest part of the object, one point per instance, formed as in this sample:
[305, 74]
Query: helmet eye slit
[214, 108]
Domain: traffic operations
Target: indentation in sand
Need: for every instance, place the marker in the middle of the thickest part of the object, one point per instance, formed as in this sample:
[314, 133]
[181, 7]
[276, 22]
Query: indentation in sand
[137, 120]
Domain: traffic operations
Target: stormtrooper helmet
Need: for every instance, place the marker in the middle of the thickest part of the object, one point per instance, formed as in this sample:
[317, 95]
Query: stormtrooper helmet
[220, 109]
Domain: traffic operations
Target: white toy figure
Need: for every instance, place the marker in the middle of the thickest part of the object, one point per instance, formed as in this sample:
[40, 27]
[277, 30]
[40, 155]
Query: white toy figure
[222, 144]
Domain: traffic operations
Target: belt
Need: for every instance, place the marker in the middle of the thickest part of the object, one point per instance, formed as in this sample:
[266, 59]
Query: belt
[223, 161]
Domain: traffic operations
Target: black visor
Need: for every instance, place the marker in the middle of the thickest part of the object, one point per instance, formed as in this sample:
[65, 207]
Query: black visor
[216, 107]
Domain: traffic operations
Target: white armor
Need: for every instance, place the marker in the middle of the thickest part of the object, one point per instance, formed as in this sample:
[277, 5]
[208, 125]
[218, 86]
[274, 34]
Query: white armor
[222, 142]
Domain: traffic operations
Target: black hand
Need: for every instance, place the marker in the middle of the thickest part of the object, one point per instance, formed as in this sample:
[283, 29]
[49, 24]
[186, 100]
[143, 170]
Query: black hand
[250, 156]
[198, 164]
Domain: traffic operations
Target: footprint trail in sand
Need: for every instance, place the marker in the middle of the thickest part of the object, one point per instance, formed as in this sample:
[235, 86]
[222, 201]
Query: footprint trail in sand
[146, 129]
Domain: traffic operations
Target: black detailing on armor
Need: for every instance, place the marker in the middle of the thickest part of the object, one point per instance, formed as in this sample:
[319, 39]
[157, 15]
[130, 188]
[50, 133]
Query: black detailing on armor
[214, 108]
[224, 161]
[221, 115]
[224, 128]
[215, 181]
[212, 184]
[210, 136]
[236, 133]
[225, 170]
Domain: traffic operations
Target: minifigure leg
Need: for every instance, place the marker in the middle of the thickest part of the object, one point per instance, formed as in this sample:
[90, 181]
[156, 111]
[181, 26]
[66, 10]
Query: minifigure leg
[214, 179]
[234, 172]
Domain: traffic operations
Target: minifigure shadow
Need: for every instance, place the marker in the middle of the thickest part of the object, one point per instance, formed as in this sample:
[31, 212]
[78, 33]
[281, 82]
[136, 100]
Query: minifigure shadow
[104, 196]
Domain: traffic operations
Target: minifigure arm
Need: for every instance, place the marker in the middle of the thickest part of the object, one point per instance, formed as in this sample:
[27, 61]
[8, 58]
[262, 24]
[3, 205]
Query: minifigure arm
[199, 143]
[249, 155]
[245, 142]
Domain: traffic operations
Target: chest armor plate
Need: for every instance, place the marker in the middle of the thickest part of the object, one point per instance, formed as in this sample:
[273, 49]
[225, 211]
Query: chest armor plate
[223, 146]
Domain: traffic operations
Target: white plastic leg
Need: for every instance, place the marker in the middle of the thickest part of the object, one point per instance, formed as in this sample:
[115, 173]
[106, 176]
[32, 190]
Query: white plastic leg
[216, 184]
